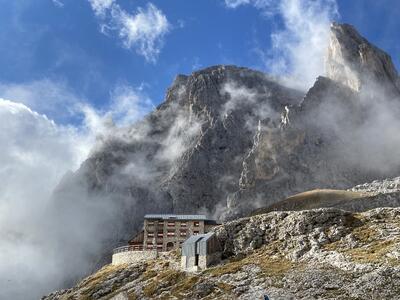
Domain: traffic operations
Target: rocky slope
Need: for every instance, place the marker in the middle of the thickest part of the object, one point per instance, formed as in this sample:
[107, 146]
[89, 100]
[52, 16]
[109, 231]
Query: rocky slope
[228, 140]
[314, 254]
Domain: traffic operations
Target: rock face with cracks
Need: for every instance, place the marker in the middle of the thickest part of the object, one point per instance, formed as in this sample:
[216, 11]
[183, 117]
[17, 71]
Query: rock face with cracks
[225, 141]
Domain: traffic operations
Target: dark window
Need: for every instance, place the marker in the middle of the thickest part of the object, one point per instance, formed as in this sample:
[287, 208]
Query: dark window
[170, 246]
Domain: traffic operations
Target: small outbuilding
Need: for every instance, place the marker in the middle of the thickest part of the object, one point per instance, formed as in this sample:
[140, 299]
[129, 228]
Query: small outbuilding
[200, 251]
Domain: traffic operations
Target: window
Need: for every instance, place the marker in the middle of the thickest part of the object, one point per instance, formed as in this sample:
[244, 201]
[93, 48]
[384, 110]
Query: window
[150, 234]
[183, 224]
[170, 246]
[195, 232]
[196, 224]
[183, 232]
[171, 233]
[150, 223]
[160, 234]
[171, 224]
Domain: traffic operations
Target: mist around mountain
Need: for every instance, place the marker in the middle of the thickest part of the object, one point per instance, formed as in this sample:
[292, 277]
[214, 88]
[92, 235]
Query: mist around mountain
[226, 141]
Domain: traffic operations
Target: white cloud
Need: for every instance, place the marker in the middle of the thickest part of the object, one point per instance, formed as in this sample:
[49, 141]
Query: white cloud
[298, 49]
[260, 4]
[58, 3]
[100, 7]
[35, 154]
[267, 7]
[127, 106]
[49, 97]
[143, 31]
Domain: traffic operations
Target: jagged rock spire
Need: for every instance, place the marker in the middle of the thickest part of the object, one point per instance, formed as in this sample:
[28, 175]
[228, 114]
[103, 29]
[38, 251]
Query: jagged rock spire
[353, 61]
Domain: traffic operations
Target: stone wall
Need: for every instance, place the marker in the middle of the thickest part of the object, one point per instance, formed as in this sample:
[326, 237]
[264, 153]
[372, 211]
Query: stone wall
[210, 259]
[188, 264]
[130, 257]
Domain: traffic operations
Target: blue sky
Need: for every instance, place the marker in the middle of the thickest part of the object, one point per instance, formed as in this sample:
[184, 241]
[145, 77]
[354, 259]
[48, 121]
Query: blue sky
[61, 41]
[67, 67]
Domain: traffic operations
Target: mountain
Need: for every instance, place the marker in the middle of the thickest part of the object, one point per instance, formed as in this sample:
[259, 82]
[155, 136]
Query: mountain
[314, 254]
[356, 63]
[228, 140]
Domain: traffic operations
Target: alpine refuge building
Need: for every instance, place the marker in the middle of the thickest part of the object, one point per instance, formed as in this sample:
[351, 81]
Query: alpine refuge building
[165, 232]
[162, 232]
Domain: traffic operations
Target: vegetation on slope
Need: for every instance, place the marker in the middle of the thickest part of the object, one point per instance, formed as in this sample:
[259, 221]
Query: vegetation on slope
[312, 199]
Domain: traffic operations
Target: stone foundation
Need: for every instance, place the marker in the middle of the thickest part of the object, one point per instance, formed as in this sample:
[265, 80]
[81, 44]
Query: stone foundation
[129, 257]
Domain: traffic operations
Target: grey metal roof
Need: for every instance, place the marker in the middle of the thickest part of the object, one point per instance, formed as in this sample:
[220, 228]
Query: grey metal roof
[193, 239]
[175, 217]
[189, 246]
[202, 243]
[196, 244]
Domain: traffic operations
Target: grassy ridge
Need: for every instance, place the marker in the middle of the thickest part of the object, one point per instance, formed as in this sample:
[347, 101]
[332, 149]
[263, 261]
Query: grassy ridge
[311, 200]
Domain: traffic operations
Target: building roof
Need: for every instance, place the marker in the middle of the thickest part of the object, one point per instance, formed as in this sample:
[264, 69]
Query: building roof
[176, 217]
[196, 244]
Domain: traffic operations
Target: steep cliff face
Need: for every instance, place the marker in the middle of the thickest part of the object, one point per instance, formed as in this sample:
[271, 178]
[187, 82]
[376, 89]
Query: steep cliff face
[187, 155]
[227, 140]
[355, 62]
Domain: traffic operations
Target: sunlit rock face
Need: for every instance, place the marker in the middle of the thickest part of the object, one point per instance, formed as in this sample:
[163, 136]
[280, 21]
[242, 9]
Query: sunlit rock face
[228, 140]
[354, 62]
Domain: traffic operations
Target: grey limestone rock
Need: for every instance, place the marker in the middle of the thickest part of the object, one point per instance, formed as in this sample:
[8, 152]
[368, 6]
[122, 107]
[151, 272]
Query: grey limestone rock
[216, 145]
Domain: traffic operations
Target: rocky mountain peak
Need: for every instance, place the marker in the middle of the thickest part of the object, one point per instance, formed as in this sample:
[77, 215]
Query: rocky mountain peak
[217, 146]
[355, 62]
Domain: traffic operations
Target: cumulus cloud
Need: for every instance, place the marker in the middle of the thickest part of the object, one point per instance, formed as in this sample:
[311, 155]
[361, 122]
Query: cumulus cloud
[52, 98]
[36, 154]
[143, 31]
[298, 48]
